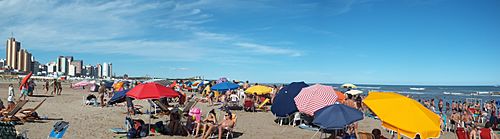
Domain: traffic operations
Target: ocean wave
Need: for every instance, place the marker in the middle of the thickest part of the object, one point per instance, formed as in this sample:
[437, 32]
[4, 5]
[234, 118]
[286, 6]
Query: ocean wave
[417, 88]
[368, 87]
[455, 93]
[414, 93]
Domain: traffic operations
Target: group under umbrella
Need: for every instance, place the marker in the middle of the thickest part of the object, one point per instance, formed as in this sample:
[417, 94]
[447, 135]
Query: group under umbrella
[312, 98]
[404, 115]
[284, 104]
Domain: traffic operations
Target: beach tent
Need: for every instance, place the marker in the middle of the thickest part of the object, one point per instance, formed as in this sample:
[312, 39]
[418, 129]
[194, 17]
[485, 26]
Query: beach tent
[259, 89]
[354, 92]
[312, 98]
[224, 86]
[118, 97]
[404, 115]
[336, 116]
[283, 104]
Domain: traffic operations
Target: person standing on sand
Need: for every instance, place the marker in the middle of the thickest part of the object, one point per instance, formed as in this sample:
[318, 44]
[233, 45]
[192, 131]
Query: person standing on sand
[10, 97]
[54, 86]
[24, 92]
[46, 87]
[59, 87]
[102, 92]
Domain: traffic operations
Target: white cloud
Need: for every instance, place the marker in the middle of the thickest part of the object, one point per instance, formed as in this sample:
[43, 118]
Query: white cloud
[264, 49]
[170, 31]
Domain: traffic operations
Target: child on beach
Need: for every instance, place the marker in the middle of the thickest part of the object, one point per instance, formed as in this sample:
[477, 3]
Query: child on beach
[10, 97]
[24, 91]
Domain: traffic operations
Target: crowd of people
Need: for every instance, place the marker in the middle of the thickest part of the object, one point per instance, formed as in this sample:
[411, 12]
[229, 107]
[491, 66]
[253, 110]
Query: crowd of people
[466, 117]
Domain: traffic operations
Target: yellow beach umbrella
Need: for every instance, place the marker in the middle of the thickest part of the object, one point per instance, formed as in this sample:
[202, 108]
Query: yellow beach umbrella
[404, 115]
[348, 85]
[259, 89]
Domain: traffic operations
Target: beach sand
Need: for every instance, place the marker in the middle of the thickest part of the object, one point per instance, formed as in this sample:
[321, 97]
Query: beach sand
[95, 122]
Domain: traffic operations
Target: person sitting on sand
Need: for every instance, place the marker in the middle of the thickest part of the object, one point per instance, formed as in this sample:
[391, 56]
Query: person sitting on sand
[91, 99]
[209, 123]
[377, 134]
[226, 123]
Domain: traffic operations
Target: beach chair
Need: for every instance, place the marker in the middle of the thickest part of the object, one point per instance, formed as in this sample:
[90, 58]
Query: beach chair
[59, 129]
[188, 107]
[229, 130]
[11, 115]
[461, 133]
[365, 135]
[30, 114]
[248, 105]
[164, 109]
[261, 105]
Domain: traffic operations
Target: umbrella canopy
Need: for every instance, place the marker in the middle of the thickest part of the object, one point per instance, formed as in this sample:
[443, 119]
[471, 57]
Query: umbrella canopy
[82, 83]
[404, 115]
[340, 96]
[348, 85]
[259, 89]
[336, 116]
[221, 80]
[118, 97]
[315, 97]
[283, 104]
[151, 91]
[354, 92]
[25, 80]
[224, 86]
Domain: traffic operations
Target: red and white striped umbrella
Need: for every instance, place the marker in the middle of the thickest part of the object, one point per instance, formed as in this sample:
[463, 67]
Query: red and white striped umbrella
[313, 98]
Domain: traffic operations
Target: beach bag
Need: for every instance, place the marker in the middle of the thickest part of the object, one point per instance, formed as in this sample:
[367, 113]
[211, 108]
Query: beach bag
[60, 125]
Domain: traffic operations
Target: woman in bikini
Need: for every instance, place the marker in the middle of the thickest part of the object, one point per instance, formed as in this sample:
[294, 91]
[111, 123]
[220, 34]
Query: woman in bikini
[210, 123]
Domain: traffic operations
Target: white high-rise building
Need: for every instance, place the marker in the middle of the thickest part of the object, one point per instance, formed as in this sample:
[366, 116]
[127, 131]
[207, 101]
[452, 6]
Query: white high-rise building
[51, 67]
[105, 70]
[72, 70]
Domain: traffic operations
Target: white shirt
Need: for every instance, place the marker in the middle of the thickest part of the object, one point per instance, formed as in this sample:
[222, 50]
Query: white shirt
[11, 94]
[234, 97]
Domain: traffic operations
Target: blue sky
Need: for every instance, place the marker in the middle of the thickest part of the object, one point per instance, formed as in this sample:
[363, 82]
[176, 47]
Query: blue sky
[449, 42]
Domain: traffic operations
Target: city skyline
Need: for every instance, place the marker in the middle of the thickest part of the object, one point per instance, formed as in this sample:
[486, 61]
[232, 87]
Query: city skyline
[19, 60]
[358, 41]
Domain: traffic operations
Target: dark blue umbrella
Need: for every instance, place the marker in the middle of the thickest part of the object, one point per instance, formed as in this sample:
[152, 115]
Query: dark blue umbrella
[118, 97]
[224, 86]
[283, 104]
[336, 116]
[108, 84]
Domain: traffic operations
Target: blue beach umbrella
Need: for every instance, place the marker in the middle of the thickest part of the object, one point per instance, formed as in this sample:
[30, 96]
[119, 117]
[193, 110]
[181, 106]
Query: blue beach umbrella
[283, 104]
[224, 86]
[118, 97]
[336, 116]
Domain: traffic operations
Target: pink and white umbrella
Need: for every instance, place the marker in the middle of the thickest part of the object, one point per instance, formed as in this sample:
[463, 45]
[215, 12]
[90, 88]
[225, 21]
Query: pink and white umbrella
[82, 83]
[315, 97]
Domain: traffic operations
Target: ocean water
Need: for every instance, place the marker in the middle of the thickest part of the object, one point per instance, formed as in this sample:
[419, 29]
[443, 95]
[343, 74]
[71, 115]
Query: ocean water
[447, 93]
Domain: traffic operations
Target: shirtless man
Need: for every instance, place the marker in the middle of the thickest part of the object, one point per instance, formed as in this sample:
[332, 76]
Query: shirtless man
[454, 120]
[350, 102]
[226, 123]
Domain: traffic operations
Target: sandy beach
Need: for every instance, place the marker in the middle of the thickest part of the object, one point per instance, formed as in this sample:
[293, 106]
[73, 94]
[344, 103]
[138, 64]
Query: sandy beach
[95, 122]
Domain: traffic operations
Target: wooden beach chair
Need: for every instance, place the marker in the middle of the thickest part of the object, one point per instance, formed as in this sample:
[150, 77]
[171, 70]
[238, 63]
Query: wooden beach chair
[11, 115]
[188, 107]
[30, 112]
[164, 109]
